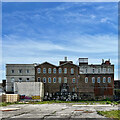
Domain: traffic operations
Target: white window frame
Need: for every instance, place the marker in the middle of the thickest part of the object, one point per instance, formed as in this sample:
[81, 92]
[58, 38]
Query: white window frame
[27, 71]
[93, 70]
[65, 79]
[49, 70]
[93, 79]
[104, 70]
[38, 70]
[49, 80]
[73, 80]
[38, 80]
[104, 79]
[98, 80]
[86, 79]
[65, 70]
[72, 70]
[20, 80]
[12, 79]
[44, 70]
[109, 70]
[54, 70]
[98, 70]
[59, 79]
[20, 70]
[44, 79]
[60, 70]
[54, 79]
[109, 79]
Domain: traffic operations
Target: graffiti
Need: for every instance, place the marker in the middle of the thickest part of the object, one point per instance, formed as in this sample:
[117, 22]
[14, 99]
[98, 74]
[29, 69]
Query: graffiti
[35, 97]
[22, 97]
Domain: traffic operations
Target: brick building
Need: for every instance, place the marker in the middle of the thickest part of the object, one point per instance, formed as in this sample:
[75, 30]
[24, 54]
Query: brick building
[71, 81]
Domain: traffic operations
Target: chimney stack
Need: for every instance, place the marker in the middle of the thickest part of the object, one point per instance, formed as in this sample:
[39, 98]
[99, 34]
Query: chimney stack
[65, 58]
[102, 61]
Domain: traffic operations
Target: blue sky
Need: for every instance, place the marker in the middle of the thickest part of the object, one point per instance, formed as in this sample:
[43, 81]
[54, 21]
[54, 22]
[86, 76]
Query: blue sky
[38, 32]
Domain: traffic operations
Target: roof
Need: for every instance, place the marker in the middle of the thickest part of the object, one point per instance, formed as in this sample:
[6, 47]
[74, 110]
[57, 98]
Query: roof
[46, 63]
[68, 63]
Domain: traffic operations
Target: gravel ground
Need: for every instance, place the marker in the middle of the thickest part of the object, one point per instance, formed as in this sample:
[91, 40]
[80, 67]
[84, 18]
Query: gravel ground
[59, 110]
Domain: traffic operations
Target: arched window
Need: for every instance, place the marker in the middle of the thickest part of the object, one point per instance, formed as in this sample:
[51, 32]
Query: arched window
[54, 70]
[60, 70]
[65, 79]
[98, 79]
[109, 79]
[38, 70]
[65, 70]
[27, 79]
[44, 80]
[86, 79]
[73, 80]
[93, 79]
[59, 79]
[49, 70]
[39, 79]
[44, 70]
[54, 80]
[72, 70]
[49, 80]
[104, 79]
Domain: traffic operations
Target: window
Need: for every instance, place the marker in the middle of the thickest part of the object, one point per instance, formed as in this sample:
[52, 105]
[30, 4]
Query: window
[72, 70]
[59, 79]
[93, 70]
[20, 71]
[73, 80]
[73, 89]
[39, 79]
[86, 79]
[12, 79]
[109, 79]
[44, 70]
[104, 79]
[44, 80]
[54, 70]
[98, 79]
[60, 70]
[65, 79]
[65, 70]
[109, 70]
[93, 79]
[12, 71]
[27, 71]
[49, 70]
[49, 80]
[38, 70]
[98, 70]
[27, 79]
[86, 70]
[54, 80]
[20, 79]
[104, 70]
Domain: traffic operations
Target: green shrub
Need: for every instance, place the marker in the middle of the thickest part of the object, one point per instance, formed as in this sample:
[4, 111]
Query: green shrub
[108, 102]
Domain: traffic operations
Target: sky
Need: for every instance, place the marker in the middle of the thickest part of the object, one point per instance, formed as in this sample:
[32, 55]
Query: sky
[37, 32]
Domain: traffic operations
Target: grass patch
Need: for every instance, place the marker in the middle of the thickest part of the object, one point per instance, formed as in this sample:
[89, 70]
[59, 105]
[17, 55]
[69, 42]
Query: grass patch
[110, 114]
[58, 101]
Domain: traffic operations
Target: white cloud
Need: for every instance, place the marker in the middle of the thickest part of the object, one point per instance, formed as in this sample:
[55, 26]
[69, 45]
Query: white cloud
[104, 20]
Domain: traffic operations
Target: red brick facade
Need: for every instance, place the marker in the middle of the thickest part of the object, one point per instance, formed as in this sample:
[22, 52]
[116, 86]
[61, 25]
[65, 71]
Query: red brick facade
[75, 83]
